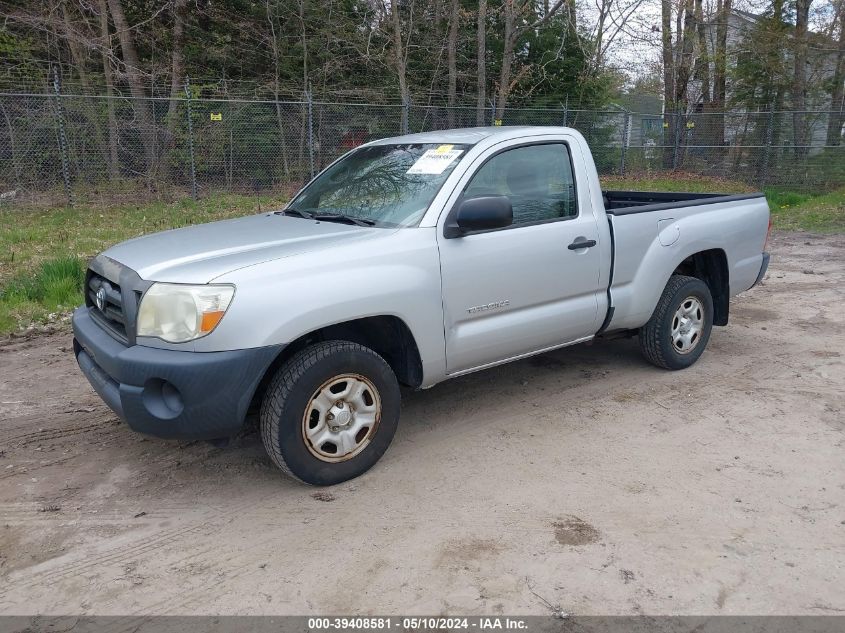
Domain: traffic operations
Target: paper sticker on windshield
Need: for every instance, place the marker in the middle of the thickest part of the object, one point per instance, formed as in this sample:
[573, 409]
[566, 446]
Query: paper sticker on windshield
[435, 161]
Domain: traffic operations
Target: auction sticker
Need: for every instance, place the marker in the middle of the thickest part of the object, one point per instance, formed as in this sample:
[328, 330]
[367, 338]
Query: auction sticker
[435, 161]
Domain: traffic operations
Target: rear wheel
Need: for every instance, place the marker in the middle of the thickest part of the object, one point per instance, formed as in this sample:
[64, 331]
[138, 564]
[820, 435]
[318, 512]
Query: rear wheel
[679, 328]
[330, 412]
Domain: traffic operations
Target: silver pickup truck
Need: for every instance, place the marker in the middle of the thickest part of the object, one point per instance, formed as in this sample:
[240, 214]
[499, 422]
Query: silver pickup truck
[407, 261]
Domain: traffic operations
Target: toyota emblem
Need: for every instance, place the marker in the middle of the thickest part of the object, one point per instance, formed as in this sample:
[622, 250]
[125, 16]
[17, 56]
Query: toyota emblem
[100, 299]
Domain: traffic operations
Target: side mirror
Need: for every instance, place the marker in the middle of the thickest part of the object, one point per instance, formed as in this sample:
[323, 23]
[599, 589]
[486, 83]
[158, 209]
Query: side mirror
[480, 214]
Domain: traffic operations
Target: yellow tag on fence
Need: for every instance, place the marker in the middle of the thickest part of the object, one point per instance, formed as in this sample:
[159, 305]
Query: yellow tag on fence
[216, 116]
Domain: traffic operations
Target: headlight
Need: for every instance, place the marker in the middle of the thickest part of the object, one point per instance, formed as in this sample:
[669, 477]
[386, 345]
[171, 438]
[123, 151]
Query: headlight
[177, 313]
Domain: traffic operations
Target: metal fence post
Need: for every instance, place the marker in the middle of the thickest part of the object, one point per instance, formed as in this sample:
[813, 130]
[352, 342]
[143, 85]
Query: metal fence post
[626, 120]
[191, 139]
[565, 121]
[60, 121]
[231, 171]
[677, 138]
[309, 108]
[493, 111]
[404, 122]
[764, 168]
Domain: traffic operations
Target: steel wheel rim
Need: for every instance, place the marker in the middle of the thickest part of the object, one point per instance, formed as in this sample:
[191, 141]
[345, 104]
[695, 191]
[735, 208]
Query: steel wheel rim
[687, 325]
[341, 418]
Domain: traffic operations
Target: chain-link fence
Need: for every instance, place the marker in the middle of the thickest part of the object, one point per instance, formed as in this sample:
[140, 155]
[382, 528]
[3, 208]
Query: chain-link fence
[59, 148]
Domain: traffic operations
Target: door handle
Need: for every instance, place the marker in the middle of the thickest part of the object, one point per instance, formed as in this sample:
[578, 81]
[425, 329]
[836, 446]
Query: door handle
[576, 245]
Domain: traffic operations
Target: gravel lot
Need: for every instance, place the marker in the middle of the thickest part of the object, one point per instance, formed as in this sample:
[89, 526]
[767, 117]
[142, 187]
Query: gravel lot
[583, 480]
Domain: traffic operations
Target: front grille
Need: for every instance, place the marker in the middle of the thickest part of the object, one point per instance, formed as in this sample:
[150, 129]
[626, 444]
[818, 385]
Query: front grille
[106, 299]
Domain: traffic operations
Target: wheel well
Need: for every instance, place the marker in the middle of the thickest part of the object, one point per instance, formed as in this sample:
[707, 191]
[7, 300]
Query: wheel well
[388, 336]
[711, 267]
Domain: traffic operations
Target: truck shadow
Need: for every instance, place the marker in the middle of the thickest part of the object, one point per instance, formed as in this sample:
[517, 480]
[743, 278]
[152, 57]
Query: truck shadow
[509, 390]
[450, 413]
[527, 381]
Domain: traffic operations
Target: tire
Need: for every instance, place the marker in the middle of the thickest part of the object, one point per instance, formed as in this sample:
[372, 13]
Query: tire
[679, 329]
[317, 400]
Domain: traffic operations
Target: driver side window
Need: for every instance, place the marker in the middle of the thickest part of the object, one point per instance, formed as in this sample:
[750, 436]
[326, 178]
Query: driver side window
[537, 179]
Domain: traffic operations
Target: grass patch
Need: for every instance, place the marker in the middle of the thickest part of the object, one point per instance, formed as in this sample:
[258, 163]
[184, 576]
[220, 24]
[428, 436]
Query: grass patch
[683, 182]
[817, 213]
[43, 251]
[56, 286]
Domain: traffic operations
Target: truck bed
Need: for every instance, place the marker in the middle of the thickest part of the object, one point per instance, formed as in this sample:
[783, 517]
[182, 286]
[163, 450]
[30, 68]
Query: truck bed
[627, 202]
[649, 228]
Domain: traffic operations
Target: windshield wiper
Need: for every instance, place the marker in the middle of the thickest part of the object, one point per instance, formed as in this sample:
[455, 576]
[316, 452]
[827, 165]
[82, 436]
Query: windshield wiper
[339, 217]
[295, 212]
[326, 217]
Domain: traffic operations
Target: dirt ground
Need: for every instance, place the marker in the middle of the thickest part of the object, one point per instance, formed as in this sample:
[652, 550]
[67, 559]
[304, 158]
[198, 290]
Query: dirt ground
[583, 480]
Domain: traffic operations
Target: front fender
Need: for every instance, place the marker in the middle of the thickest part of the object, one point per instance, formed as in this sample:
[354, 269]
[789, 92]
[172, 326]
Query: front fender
[395, 275]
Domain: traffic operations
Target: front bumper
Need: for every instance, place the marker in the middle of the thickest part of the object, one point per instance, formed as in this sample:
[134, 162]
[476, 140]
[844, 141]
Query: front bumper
[166, 393]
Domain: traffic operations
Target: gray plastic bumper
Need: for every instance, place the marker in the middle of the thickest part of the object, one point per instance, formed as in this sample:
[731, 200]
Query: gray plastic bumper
[166, 393]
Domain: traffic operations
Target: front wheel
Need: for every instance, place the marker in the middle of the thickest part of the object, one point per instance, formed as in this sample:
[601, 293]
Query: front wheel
[678, 330]
[330, 412]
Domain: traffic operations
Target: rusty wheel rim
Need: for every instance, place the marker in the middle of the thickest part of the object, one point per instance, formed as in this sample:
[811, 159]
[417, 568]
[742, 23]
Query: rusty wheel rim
[341, 418]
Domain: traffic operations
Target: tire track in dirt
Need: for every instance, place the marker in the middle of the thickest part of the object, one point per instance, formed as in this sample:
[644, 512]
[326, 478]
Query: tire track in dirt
[115, 554]
[8, 474]
[208, 520]
[54, 432]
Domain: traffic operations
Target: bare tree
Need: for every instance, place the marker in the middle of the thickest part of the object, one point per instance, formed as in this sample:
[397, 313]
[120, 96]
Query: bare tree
[837, 96]
[799, 78]
[669, 107]
[177, 65]
[400, 54]
[73, 44]
[269, 6]
[136, 86]
[481, 36]
[614, 17]
[720, 57]
[106, 53]
[684, 56]
[678, 55]
[303, 35]
[74, 40]
[668, 54]
[512, 33]
[451, 55]
[703, 60]
[603, 7]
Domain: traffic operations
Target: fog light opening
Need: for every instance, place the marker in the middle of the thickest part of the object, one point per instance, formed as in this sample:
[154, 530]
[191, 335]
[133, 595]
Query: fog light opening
[162, 399]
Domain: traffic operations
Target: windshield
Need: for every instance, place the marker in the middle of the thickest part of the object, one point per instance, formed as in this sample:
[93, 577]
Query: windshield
[389, 185]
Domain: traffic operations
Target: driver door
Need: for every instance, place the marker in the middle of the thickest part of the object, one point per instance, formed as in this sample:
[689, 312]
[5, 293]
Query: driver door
[521, 289]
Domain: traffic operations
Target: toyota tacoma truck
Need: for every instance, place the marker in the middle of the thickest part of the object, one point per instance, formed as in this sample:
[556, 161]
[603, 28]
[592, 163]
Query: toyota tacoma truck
[407, 261]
